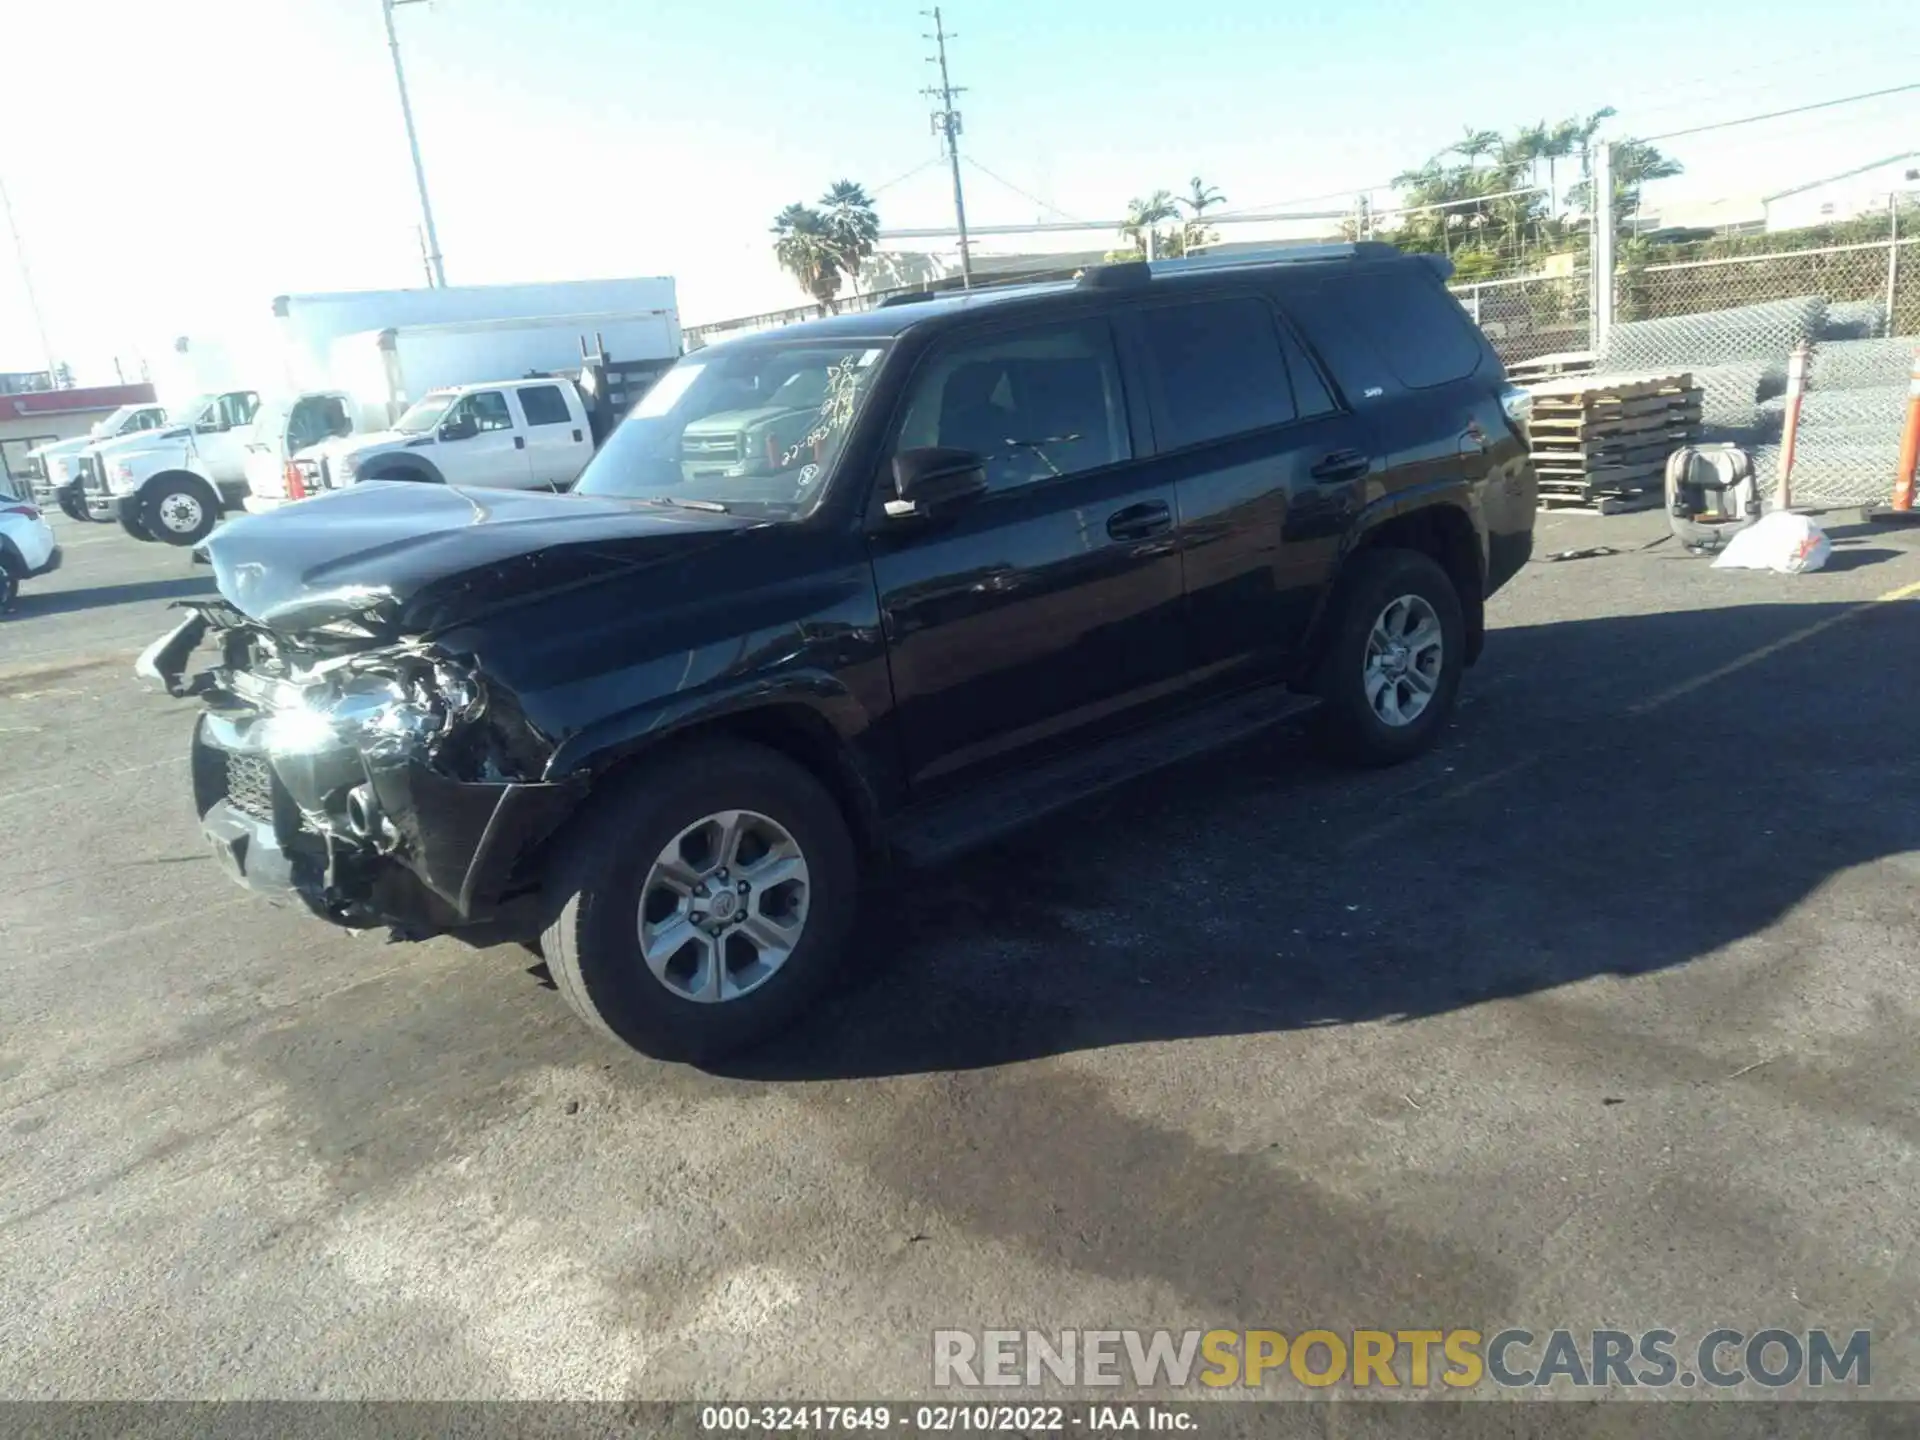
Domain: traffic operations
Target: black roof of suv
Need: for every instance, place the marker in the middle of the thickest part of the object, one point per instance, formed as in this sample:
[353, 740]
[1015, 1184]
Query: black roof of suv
[860, 591]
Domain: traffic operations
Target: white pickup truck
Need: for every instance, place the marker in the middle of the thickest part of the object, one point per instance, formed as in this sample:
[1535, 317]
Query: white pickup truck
[171, 484]
[56, 481]
[514, 435]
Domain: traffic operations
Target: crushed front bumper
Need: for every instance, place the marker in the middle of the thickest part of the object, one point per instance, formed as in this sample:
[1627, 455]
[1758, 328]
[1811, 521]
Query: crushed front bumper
[450, 855]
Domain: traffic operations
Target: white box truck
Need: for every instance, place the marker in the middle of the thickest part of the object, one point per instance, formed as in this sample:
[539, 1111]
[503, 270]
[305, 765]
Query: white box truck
[310, 325]
[396, 366]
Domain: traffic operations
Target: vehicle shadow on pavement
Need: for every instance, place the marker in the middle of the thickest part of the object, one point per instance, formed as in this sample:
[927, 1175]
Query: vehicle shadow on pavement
[32, 603]
[1606, 804]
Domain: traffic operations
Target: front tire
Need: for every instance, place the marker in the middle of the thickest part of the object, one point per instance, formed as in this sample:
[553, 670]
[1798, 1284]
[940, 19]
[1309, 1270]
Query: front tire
[1391, 672]
[131, 523]
[72, 506]
[180, 512]
[704, 903]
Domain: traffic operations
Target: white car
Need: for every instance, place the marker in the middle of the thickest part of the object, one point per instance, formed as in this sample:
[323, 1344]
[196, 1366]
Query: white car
[26, 546]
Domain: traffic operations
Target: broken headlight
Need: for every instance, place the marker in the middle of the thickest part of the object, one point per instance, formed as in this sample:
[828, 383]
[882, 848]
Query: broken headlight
[375, 702]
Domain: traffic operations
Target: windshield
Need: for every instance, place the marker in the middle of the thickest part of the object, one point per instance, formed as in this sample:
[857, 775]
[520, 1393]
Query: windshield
[752, 426]
[425, 413]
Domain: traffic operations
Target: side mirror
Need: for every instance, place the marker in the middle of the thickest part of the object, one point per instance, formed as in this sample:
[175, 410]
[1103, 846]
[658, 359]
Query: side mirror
[211, 427]
[936, 477]
[465, 428]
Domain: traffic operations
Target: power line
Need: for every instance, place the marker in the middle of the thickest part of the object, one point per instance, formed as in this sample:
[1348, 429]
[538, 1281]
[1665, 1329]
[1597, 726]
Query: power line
[1778, 114]
[902, 179]
[946, 124]
[1043, 204]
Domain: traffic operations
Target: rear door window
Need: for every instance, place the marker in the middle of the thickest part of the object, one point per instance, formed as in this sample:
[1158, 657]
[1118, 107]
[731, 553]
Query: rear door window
[544, 404]
[1399, 318]
[1219, 369]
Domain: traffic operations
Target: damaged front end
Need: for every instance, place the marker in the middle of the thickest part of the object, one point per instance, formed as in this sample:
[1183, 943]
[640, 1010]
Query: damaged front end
[381, 784]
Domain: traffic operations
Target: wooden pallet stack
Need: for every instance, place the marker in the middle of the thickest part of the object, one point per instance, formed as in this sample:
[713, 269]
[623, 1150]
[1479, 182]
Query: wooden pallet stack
[1550, 367]
[1601, 442]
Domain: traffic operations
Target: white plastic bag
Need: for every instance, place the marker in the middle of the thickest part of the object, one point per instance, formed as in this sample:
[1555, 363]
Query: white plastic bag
[1782, 541]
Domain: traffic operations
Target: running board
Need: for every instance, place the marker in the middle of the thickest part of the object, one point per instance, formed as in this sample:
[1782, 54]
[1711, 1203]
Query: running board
[1007, 803]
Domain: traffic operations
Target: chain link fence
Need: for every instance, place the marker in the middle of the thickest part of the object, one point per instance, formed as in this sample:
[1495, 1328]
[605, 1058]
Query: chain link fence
[1527, 316]
[1732, 322]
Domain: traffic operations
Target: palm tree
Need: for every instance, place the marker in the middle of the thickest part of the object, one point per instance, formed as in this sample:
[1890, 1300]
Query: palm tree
[1200, 198]
[1143, 216]
[1528, 147]
[804, 246]
[1476, 143]
[853, 227]
[1560, 143]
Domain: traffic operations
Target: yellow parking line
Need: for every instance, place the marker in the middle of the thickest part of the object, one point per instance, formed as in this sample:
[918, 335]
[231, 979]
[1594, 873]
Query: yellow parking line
[1785, 642]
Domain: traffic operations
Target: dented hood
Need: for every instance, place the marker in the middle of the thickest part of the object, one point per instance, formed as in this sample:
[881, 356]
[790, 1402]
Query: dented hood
[402, 558]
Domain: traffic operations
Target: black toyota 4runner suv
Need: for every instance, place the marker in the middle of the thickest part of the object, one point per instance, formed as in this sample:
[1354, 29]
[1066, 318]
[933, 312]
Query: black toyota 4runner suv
[1021, 544]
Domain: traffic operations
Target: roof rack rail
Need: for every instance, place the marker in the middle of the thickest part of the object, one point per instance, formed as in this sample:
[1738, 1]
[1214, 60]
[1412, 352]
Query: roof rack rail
[1136, 272]
[1015, 282]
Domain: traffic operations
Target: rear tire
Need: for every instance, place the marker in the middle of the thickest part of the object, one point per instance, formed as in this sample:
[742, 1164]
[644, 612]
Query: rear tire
[9, 585]
[1391, 672]
[607, 886]
[180, 512]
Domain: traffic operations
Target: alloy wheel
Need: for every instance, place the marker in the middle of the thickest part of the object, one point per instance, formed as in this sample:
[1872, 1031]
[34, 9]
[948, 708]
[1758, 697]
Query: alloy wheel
[723, 906]
[1405, 652]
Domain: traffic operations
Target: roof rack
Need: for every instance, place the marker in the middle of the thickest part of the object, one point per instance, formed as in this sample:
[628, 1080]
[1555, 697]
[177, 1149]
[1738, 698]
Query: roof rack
[1138, 272]
[992, 287]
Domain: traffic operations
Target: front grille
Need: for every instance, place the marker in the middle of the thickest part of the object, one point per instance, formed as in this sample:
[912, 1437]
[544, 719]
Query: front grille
[250, 786]
[93, 475]
[712, 447]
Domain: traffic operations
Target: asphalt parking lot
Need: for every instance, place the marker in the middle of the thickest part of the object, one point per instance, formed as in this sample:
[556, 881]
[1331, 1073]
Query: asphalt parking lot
[1602, 1015]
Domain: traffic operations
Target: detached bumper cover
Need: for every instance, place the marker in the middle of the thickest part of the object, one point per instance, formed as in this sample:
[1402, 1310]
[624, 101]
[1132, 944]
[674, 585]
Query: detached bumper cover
[459, 849]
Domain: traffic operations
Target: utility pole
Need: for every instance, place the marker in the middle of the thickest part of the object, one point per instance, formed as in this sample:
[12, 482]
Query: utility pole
[26, 283]
[946, 124]
[438, 272]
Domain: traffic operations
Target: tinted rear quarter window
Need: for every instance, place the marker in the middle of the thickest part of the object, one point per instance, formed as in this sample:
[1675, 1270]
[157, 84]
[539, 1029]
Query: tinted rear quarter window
[1219, 368]
[1398, 317]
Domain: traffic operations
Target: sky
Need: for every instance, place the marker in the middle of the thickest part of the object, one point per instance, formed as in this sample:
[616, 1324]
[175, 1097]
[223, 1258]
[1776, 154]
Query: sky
[172, 167]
